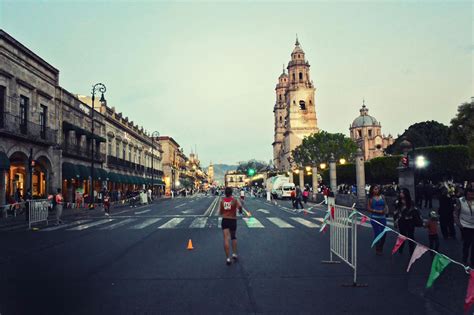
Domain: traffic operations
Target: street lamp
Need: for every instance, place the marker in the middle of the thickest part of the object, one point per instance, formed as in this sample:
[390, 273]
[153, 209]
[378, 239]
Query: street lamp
[154, 135]
[98, 87]
[342, 161]
[322, 166]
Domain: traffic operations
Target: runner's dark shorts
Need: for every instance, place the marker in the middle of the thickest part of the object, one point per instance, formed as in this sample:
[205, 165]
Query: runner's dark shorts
[230, 224]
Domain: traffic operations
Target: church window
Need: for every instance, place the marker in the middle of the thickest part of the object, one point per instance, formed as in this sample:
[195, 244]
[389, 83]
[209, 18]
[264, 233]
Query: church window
[301, 76]
[370, 132]
[280, 97]
[293, 77]
[310, 103]
[302, 105]
[294, 103]
[359, 133]
[280, 118]
[298, 55]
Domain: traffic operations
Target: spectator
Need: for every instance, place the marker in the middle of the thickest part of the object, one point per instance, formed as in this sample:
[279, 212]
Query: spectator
[428, 194]
[432, 226]
[377, 207]
[406, 218]
[464, 217]
[446, 214]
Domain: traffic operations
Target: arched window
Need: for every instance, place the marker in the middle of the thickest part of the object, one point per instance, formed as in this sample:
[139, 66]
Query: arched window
[280, 97]
[301, 75]
[280, 118]
[302, 105]
[298, 55]
[310, 103]
[293, 77]
[294, 103]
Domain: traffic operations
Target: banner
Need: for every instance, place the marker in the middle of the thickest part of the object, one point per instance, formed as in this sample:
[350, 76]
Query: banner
[381, 234]
[469, 300]
[400, 240]
[439, 263]
[364, 219]
[417, 253]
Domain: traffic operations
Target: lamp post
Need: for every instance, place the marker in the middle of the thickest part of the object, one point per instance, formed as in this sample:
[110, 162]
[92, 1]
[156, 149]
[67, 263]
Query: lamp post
[154, 135]
[98, 87]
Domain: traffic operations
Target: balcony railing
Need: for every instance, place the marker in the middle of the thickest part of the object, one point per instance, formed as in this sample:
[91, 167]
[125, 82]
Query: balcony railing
[82, 153]
[28, 130]
[118, 162]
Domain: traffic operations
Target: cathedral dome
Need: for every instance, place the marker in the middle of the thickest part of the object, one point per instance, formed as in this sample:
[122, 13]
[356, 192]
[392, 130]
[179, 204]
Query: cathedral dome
[364, 119]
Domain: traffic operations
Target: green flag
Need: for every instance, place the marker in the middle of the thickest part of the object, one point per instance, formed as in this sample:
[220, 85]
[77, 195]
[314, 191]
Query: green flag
[439, 263]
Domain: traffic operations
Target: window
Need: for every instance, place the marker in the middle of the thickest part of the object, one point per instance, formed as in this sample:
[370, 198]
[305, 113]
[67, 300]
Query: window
[298, 55]
[117, 148]
[139, 158]
[280, 118]
[2, 106]
[43, 121]
[280, 97]
[370, 132]
[130, 153]
[359, 132]
[23, 113]
[301, 76]
[109, 146]
[294, 103]
[302, 105]
[293, 77]
[124, 149]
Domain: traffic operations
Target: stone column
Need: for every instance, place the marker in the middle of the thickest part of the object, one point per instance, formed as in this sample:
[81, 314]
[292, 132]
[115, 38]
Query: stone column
[332, 174]
[291, 176]
[3, 187]
[315, 180]
[301, 175]
[360, 178]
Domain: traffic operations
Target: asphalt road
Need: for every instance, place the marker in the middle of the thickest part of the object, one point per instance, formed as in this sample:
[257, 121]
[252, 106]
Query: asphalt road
[136, 262]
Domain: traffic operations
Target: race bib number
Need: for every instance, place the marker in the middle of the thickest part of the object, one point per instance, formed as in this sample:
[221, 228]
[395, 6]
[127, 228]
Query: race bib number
[227, 205]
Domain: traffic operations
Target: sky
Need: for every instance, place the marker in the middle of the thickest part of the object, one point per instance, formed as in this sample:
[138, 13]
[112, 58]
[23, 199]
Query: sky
[205, 72]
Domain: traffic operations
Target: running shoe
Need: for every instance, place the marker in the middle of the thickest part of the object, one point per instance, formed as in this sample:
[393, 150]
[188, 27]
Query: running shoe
[235, 257]
[228, 261]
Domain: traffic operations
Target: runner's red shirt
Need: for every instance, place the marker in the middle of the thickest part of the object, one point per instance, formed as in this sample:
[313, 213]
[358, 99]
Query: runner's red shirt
[229, 207]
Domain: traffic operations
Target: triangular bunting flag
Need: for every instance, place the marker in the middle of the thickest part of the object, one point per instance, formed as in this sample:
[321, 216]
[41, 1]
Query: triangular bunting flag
[333, 209]
[381, 234]
[417, 253]
[469, 300]
[326, 216]
[354, 212]
[364, 219]
[439, 263]
[398, 243]
[322, 228]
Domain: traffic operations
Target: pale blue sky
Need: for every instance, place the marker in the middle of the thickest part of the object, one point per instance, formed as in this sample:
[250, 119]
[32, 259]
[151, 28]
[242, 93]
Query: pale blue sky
[205, 73]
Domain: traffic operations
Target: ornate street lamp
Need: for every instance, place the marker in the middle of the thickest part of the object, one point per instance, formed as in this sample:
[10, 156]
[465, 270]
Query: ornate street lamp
[98, 87]
[154, 135]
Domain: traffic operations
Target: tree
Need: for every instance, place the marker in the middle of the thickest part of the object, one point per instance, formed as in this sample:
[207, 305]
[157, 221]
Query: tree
[423, 134]
[462, 127]
[252, 164]
[317, 148]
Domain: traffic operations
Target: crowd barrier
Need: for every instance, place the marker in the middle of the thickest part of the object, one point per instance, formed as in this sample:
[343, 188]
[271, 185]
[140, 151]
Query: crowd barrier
[15, 209]
[38, 211]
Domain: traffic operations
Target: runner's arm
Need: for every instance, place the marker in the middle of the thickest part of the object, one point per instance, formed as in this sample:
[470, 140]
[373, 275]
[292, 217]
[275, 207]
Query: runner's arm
[221, 207]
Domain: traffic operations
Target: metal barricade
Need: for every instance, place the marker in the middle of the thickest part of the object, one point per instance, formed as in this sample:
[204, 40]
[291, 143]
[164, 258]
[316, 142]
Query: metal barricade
[38, 211]
[343, 237]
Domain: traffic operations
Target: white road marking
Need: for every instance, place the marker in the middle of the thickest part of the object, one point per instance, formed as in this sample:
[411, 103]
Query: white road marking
[199, 223]
[86, 226]
[57, 227]
[305, 222]
[145, 224]
[264, 211]
[253, 223]
[183, 204]
[280, 223]
[187, 211]
[171, 224]
[144, 211]
[219, 222]
[116, 225]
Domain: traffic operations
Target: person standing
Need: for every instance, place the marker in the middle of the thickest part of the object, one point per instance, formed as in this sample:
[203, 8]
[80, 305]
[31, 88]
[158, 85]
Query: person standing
[432, 226]
[376, 206]
[107, 203]
[228, 211]
[406, 218]
[428, 189]
[305, 194]
[446, 214]
[59, 206]
[298, 198]
[419, 191]
[464, 216]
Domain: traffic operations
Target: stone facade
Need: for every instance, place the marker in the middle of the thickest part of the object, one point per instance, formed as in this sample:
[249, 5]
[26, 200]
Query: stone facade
[235, 180]
[294, 110]
[210, 174]
[174, 162]
[366, 131]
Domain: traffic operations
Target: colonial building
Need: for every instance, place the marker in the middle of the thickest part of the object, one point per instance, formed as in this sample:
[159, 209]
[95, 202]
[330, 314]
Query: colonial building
[29, 122]
[234, 179]
[210, 173]
[366, 131]
[132, 155]
[294, 110]
[174, 162]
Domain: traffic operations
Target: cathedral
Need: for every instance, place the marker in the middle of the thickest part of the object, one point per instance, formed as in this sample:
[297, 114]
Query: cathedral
[294, 110]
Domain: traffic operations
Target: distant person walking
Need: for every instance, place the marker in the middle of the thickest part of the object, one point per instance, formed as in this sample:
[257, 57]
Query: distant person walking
[432, 226]
[228, 211]
[59, 206]
[464, 216]
[446, 214]
[376, 206]
[406, 218]
[299, 197]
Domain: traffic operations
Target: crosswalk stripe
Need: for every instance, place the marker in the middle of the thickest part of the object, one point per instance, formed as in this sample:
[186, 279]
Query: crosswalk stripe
[198, 223]
[116, 225]
[171, 223]
[144, 211]
[145, 224]
[280, 223]
[305, 222]
[63, 226]
[253, 223]
[86, 226]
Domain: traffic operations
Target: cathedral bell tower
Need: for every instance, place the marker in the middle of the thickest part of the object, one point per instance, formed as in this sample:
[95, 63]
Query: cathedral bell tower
[300, 119]
[280, 114]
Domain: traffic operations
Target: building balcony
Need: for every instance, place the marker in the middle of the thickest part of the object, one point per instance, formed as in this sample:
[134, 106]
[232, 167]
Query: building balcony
[124, 164]
[13, 126]
[75, 151]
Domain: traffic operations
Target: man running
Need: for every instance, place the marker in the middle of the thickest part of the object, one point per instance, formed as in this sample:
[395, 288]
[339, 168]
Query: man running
[228, 210]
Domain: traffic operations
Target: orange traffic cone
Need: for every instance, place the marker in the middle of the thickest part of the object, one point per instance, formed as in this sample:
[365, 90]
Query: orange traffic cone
[190, 244]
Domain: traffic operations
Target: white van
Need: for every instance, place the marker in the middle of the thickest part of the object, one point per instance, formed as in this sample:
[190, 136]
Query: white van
[274, 184]
[285, 190]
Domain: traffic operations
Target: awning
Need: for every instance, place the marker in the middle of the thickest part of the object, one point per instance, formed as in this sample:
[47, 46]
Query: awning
[84, 172]
[70, 171]
[101, 174]
[4, 161]
[114, 177]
